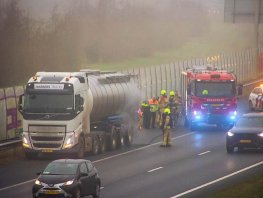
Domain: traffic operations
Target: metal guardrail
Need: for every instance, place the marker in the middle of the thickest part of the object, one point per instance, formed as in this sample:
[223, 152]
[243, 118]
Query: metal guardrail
[10, 144]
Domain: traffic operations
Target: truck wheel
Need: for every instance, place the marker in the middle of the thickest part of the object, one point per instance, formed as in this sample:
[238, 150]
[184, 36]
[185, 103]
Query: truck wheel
[128, 137]
[113, 139]
[31, 156]
[95, 146]
[193, 127]
[121, 140]
[81, 151]
[102, 144]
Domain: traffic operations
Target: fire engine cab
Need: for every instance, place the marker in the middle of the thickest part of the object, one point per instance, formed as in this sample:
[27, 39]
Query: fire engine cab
[210, 96]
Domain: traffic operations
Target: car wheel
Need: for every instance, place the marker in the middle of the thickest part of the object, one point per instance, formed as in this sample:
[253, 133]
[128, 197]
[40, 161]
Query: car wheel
[81, 151]
[229, 149]
[77, 193]
[97, 191]
[250, 106]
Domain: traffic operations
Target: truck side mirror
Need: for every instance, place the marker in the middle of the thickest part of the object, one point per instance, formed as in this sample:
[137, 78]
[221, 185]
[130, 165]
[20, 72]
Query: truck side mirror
[20, 105]
[240, 90]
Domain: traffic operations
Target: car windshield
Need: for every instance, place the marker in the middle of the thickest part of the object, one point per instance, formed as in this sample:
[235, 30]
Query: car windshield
[215, 89]
[251, 122]
[61, 168]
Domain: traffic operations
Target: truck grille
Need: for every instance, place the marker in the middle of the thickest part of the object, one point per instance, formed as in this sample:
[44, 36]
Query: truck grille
[43, 137]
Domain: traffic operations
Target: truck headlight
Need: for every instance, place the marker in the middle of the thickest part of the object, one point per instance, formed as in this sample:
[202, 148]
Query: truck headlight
[260, 134]
[69, 142]
[25, 141]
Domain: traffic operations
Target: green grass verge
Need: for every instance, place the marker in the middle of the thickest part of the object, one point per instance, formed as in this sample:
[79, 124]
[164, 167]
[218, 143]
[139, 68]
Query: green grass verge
[251, 188]
[220, 38]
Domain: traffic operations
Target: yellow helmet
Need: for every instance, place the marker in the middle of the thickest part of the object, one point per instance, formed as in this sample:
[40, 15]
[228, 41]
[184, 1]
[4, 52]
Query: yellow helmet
[167, 111]
[163, 92]
[172, 93]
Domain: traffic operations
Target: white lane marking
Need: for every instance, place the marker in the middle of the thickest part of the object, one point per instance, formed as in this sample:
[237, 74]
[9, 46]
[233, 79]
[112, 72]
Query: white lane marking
[204, 153]
[219, 179]
[154, 169]
[15, 185]
[138, 149]
[96, 161]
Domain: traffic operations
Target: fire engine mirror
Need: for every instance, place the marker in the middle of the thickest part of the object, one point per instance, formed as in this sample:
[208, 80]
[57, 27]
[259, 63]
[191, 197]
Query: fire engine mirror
[240, 90]
[188, 90]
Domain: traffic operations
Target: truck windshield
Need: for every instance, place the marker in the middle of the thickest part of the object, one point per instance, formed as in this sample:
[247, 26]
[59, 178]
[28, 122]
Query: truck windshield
[48, 103]
[215, 89]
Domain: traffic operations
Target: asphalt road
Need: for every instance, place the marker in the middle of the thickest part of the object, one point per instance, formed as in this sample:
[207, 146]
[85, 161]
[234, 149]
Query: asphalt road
[195, 166]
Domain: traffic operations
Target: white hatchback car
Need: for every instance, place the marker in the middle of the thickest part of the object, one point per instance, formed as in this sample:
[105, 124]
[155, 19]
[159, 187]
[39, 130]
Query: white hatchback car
[255, 99]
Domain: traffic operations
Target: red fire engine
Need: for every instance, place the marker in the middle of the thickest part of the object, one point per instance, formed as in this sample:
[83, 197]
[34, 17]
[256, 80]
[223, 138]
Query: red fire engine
[210, 97]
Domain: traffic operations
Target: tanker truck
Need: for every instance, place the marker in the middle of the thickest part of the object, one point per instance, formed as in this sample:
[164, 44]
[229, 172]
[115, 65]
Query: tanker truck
[78, 112]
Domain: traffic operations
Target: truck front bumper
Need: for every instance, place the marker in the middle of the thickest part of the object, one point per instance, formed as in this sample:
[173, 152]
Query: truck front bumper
[217, 119]
[71, 150]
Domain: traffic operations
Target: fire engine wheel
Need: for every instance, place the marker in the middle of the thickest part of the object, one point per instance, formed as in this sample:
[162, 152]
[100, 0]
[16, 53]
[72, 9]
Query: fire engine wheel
[95, 146]
[229, 149]
[81, 151]
[250, 106]
[193, 127]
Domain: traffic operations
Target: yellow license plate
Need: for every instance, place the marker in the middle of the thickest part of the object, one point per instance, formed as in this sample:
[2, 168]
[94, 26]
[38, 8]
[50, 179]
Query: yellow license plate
[216, 105]
[51, 192]
[47, 150]
[245, 141]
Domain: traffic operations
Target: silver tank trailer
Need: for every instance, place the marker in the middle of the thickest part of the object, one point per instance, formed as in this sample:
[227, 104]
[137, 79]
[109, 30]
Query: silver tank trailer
[113, 93]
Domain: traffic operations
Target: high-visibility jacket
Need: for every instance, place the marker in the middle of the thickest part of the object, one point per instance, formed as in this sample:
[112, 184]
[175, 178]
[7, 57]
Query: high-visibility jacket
[153, 105]
[163, 100]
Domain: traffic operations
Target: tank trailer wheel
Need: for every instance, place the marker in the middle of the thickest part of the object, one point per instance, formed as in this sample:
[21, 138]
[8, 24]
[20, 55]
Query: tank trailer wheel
[81, 151]
[102, 144]
[95, 146]
[113, 139]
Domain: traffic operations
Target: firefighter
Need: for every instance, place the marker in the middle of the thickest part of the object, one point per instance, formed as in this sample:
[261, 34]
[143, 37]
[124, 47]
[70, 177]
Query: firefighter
[166, 128]
[140, 118]
[146, 114]
[153, 102]
[205, 92]
[163, 101]
[173, 106]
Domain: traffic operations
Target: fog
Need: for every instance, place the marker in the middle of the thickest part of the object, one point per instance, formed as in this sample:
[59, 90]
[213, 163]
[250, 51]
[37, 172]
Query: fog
[67, 35]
